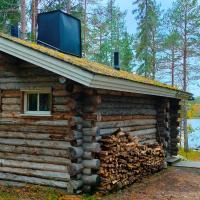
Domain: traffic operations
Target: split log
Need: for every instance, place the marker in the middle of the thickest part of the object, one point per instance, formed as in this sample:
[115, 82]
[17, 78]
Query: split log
[124, 160]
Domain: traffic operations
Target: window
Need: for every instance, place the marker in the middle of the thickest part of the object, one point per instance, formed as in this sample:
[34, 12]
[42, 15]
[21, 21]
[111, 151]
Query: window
[37, 102]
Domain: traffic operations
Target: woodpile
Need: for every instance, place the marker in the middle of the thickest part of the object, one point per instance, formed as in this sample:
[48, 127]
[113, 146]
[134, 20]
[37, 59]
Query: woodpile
[124, 160]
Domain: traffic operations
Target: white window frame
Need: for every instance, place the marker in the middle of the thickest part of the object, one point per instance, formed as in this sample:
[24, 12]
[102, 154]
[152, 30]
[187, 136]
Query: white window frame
[36, 113]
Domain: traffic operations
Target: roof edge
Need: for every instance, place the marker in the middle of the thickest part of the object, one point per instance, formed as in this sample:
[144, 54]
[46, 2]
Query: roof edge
[84, 77]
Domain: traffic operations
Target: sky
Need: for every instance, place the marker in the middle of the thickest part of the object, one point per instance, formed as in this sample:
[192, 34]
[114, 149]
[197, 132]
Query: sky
[132, 26]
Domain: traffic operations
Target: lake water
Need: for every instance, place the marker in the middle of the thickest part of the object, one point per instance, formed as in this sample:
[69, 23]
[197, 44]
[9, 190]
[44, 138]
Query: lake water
[194, 137]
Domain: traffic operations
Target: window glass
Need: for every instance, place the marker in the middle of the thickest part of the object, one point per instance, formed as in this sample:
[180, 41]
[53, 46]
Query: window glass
[32, 102]
[44, 104]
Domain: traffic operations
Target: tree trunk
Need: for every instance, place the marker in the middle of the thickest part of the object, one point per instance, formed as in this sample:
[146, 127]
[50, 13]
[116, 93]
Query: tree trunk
[85, 26]
[172, 66]
[23, 19]
[34, 19]
[185, 54]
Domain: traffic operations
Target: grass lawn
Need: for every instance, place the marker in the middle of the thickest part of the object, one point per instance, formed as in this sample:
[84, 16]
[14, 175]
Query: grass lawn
[191, 155]
[34, 193]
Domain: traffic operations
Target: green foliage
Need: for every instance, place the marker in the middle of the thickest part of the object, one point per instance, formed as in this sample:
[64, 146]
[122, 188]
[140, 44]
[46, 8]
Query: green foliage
[147, 14]
[89, 197]
[108, 34]
[190, 155]
[9, 14]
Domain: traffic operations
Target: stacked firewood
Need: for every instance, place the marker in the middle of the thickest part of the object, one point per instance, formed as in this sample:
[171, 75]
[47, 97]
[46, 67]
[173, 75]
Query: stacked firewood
[124, 160]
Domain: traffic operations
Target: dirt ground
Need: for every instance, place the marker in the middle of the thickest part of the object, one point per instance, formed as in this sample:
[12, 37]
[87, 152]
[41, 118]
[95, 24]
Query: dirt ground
[172, 184]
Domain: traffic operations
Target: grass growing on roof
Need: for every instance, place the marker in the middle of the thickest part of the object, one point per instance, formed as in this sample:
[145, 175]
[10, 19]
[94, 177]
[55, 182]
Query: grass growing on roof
[88, 65]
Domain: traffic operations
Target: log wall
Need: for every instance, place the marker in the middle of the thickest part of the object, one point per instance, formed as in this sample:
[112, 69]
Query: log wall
[61, 150]
[39, 150]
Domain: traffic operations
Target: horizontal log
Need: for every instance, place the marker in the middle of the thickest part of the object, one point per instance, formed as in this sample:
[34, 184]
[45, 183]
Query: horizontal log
[94, 131]
[109, 131]
[62, 108]
[125, 123]
[37, 173]
[36, 143]
[126, 117]
[36, 129]
[25, 85]
[38, 136]
[69, 153]
[11, 101]
[149, 142]
[75, 169]
[119, 105]
[87, 171]
[77, 152]
[36, 122]
[93, 164]
[92, 147]
[61, 93]
[7, 183]
[129, 99]
[6, 107]
[54, 116]
[33, 180]
[91, 180]
[99, 117]
[11, 93]
[88, 155]
[62, 100]
[25, 79]
[76, 184]
[35, 158]
[127, 111]
[143, 132]
[33, 165]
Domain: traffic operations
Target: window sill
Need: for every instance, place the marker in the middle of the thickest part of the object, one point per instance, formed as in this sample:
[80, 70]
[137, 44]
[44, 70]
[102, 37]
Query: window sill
[35, 115]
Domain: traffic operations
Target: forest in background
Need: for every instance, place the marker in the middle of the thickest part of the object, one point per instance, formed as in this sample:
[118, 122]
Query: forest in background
[194, 109]
[166, 46]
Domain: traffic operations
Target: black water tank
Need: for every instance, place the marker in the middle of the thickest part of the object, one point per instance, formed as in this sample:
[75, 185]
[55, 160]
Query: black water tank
[60, 31]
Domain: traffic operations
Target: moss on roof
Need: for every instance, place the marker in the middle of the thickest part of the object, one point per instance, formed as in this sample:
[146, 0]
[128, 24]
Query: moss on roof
[88, 65]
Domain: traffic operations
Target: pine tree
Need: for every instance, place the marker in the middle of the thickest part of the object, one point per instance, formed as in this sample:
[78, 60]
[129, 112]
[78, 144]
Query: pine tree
[186, 17]
[147, 14]
[107, 35]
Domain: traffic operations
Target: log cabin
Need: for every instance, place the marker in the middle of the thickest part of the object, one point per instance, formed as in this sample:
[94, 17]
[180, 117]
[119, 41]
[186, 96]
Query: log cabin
[55, 107]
